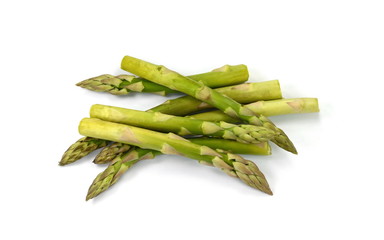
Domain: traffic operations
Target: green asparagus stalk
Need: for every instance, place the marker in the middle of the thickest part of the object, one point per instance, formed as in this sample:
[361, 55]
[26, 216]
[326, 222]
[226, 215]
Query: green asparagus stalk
[261, 148]
[181, 125]
[267, 108]
[125, 160]
[173, 80]
[124, 84]
[81, 148]
[242, 93]
[233, 165]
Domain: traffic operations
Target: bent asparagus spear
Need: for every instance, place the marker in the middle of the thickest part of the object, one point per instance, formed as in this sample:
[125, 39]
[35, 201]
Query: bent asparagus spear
[166, 77]
[124, 84]
[233, 165]
[125, 160]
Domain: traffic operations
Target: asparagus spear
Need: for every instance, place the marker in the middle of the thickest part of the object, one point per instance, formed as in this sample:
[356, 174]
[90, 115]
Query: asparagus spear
[81, 148]
[267, 108]
[242, 93]
[261, 148]
[181, 125]
[124, 84]
[233, 165]
[125, 160]
[173, 80]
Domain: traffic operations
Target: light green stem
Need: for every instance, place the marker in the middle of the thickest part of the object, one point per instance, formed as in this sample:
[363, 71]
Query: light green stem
[267, 108]
[262, 148]
[242, 93]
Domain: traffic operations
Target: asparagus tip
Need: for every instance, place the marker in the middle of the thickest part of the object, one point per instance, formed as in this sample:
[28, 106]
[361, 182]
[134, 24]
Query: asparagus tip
[88, 197]
[293, 150]
[268, 191]
[92, 193]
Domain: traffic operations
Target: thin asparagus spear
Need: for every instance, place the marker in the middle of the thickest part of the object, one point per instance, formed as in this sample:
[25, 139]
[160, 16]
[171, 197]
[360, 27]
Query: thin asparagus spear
[124, 84]
[123, 161]
[242, 93]
[233, 165]
[166, 77]
[267, 108]
[181, 125]
[81, 148]
[261, 148]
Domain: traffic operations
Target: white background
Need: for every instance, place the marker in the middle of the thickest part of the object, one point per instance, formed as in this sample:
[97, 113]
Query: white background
[332, 50]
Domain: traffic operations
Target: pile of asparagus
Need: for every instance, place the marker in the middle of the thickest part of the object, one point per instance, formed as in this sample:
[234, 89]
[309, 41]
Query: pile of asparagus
[188, 126]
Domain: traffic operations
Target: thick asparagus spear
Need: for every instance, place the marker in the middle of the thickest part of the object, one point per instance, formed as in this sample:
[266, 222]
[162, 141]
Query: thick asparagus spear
[233, 165]
[267, 108]
[123, 161]
[166, 77]
[181, 125]
[124, 84]
[242, 93]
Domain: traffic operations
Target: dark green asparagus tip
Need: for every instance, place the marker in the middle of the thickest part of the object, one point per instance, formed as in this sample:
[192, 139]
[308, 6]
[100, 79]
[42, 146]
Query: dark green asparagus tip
[81, 148]
[284, 142]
